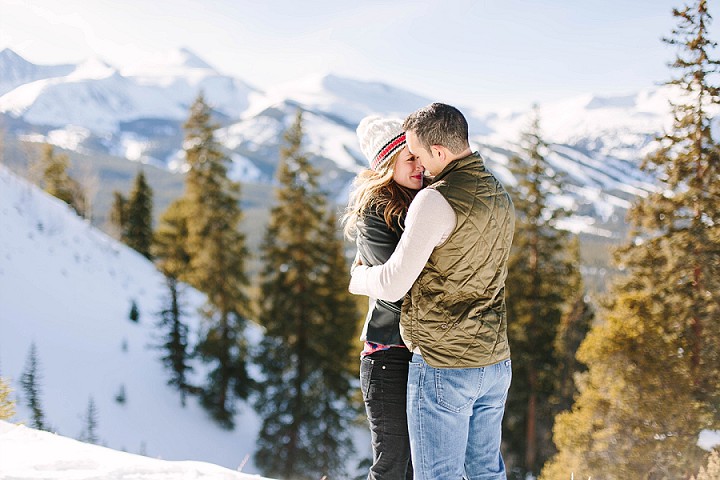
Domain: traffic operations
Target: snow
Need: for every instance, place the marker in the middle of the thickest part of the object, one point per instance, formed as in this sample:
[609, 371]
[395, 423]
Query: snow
[92, 69]
[243, 169]
[331, 140]
[28, 454]
[70, 138]
[254, 133]
[709, 439]
[68, 288]
[98, 104]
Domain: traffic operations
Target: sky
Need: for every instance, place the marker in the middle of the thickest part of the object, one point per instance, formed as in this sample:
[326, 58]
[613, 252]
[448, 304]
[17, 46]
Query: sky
[485, 53]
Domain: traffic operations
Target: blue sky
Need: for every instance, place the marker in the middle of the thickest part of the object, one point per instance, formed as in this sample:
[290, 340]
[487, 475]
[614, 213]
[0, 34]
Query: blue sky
[481, 53]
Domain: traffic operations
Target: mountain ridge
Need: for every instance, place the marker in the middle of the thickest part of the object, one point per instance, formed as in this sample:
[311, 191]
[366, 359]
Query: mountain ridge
[598, 140]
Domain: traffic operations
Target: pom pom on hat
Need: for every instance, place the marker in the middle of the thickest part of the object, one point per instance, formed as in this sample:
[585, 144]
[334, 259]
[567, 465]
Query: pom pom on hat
[380, 138]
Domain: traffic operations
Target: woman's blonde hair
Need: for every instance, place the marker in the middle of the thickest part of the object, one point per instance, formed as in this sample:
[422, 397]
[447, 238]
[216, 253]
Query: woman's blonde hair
[377, 190]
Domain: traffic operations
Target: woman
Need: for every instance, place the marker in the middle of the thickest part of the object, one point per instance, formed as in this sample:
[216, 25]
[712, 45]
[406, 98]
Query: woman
[375, 217]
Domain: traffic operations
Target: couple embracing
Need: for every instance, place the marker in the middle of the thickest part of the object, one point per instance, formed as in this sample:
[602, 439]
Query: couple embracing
[433, 229]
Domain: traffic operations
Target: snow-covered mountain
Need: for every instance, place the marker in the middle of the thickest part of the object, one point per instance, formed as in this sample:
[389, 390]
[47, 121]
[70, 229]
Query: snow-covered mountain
[68, 289]
[137, 112]
[16, 71]
[97, 97]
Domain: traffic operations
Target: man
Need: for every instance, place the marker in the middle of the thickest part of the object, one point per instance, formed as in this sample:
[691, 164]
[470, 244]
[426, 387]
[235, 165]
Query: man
[452, 263]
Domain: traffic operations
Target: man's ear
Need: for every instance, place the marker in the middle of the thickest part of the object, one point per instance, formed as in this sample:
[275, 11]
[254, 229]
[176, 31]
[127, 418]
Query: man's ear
[438, 152]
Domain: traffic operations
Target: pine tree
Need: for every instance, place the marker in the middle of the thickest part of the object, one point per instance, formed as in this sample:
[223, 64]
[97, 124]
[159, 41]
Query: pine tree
[217, 253]
[337, 334]
[574, 327]
[309, 323]
[539, 293]
[118, 215]
[57, 181]
[652, 383]
[175, 344]
[30, 381]
[89, 434]
[121, 396]
[138, 231]
[170, 249]
[134, 314]
[172, 258]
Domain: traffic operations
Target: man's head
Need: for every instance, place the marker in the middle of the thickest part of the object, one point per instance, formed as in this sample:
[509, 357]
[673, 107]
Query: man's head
[437, 134]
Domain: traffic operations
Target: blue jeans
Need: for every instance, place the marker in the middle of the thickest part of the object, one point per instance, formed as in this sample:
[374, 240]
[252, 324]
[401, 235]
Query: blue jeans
[383, 379]
[455, 420]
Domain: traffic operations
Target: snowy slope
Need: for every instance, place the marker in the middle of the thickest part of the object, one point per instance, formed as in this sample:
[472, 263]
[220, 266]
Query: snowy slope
[28, 454]
[69, 288]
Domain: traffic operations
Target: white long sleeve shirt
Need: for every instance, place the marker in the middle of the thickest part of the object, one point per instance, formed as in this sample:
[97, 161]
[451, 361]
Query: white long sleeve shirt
[429, 222]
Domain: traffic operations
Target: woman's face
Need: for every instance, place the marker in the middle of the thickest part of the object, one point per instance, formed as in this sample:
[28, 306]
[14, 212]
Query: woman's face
[408, 171]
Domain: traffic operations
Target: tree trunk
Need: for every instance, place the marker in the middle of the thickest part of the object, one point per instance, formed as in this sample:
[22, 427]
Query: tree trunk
[530, 433]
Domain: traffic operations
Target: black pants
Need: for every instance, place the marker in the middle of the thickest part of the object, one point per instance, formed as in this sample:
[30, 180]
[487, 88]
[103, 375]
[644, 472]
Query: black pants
[383, 379]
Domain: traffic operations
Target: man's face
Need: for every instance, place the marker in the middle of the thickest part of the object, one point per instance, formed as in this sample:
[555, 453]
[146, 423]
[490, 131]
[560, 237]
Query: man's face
[426, 158]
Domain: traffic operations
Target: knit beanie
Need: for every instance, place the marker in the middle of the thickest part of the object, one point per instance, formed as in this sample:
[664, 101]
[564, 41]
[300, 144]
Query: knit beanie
[380, 138]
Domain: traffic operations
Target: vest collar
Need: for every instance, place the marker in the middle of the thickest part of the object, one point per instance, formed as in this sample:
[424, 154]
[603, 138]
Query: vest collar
[469, 162]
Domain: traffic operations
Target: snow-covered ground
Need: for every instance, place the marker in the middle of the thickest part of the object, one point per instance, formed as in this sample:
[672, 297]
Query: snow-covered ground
[28, 454]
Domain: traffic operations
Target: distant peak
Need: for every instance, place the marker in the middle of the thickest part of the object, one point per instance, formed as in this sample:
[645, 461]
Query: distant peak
[93, 67]
[7, 54]
[187, 58]
[180, 61]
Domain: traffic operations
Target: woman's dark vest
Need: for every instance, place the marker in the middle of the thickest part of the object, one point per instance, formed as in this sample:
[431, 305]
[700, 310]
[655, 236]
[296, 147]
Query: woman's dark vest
[375, 243]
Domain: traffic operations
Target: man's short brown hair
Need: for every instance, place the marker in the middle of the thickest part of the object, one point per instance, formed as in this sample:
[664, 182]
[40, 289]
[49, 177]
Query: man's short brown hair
[439, 124]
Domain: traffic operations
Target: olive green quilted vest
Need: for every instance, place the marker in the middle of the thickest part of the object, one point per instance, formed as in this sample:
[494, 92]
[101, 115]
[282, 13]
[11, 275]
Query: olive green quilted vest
[455, 312]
